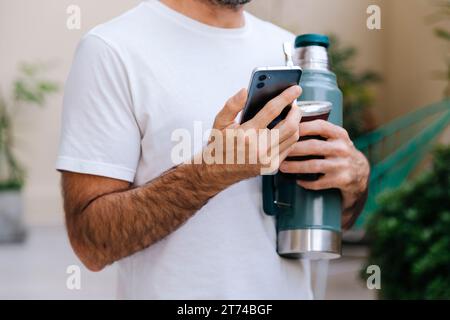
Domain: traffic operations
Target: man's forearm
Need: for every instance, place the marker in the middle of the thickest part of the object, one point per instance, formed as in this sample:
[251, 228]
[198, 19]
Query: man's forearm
[351, 212]
[116, 225]
[355, 196]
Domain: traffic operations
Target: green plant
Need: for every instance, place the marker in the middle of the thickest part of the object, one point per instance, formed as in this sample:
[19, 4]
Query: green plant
[30, 88]
[410, 235]
[442, 15]
[356, 87]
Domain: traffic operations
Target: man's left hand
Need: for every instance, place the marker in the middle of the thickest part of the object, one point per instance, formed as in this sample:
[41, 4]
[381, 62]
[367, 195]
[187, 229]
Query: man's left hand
[344, 167]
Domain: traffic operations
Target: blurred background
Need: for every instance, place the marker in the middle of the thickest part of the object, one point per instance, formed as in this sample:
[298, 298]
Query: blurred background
[395, 81]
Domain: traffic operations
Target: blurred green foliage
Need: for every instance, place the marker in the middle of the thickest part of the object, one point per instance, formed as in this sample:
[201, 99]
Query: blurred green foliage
[356, 87]
[410, 235]
[30, 88]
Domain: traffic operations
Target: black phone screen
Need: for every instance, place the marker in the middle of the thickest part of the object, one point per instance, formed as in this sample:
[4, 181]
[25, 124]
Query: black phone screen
[266, 85]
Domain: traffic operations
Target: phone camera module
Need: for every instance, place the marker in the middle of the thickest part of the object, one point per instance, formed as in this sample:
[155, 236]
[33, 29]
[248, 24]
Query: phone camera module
[262, 77]
[260, 85]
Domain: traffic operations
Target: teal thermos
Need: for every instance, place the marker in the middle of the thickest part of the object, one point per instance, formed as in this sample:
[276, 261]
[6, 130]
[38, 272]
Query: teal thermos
[308, 222]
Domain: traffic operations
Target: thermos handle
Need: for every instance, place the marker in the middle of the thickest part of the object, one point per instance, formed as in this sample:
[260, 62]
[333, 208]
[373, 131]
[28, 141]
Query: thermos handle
[269, 206]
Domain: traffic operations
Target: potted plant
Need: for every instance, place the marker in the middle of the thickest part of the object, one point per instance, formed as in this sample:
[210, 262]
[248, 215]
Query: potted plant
[29, 88]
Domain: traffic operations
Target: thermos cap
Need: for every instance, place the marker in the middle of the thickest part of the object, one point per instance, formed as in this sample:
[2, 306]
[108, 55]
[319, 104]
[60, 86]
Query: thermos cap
[314, 108]
[311, 52]
[312, 39]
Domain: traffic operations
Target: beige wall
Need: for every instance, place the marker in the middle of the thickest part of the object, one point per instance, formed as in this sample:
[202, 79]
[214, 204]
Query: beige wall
[404, 52]
[412, 55]
[347, 18]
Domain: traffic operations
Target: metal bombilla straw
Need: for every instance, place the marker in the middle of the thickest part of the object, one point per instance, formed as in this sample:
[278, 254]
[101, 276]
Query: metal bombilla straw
[287, 49]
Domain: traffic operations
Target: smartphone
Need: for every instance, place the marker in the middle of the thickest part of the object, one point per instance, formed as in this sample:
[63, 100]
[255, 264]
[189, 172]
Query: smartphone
[267, 83]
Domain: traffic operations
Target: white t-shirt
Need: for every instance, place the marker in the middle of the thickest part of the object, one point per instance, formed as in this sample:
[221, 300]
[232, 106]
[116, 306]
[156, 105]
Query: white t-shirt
[135, 80]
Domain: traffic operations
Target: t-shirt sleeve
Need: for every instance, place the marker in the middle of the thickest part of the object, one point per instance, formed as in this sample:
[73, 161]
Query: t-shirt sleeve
[99, 133]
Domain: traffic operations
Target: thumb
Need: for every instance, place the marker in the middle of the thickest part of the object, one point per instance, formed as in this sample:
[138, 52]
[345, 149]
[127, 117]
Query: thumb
[229, 112]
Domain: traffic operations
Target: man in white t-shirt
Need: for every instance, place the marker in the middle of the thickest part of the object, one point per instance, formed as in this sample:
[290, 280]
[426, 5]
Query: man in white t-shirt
[185, 231]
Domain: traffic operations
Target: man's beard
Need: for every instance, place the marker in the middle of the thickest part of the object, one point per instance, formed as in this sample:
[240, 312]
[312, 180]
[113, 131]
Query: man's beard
[230, 3]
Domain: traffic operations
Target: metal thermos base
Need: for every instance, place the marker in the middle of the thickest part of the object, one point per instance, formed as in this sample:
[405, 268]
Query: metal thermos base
[312, 244]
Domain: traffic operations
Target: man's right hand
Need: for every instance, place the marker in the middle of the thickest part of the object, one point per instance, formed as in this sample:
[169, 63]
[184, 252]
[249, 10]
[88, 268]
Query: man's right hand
[108, 219]
[267, 150]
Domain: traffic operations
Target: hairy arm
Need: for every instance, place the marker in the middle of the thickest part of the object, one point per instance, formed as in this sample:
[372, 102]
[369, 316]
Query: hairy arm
[107, 220]
[352, 212]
